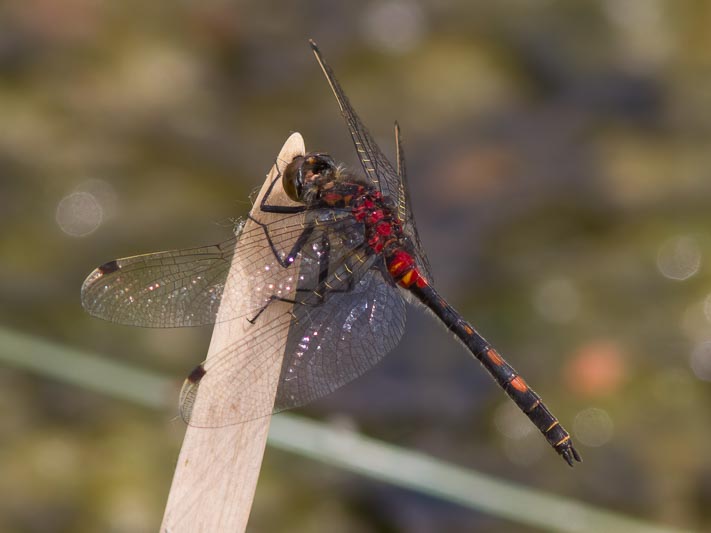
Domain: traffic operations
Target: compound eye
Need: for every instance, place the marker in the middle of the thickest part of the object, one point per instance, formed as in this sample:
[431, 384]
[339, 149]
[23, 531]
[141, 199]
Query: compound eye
[292, 180]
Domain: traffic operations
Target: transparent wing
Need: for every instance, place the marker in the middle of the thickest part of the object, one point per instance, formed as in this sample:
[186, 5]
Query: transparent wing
[185, 287]
[405, 207]
[377, 168]
[329, 344]
[164, 289]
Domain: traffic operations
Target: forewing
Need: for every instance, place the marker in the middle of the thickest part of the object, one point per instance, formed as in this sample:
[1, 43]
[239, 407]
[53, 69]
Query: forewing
[378, 168]
[163, 289]
[185, 287]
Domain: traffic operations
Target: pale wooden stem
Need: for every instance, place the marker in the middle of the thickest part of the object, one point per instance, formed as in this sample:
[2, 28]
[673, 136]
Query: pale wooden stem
[216, 475]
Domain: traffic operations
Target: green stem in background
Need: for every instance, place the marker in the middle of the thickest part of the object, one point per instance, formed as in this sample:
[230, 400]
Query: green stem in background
[344, 449]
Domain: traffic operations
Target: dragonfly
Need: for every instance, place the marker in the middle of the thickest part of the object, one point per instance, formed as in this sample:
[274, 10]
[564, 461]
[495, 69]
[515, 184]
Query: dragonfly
[342, 257]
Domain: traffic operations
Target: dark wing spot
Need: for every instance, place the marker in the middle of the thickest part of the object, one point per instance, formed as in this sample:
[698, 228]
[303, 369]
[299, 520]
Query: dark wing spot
[197, 373]
[108, 268]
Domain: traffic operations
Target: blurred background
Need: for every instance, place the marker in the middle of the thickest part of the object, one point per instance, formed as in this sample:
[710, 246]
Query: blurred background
[559, 166]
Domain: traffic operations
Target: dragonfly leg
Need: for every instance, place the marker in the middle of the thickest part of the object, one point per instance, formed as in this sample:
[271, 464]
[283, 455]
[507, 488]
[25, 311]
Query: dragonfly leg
[319, 292]
[323, 287]
[298, 245]
[272, 298]
[295, 249]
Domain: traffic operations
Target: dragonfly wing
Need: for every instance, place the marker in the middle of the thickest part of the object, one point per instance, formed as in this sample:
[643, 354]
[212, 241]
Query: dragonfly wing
[332, 344]
[374, 162]
[164, 289]
[378, 169]
[328, 345]
[185, 287]
[344, 317]
[405, 207]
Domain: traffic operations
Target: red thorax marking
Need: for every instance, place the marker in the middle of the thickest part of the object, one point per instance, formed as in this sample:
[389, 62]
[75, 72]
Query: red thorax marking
[383, 231]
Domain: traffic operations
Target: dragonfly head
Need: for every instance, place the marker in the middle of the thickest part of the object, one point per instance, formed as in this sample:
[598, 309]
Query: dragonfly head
[307, 174]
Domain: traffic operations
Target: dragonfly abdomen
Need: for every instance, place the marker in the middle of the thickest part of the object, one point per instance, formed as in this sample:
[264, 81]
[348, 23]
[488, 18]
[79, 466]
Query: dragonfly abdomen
[508, 379]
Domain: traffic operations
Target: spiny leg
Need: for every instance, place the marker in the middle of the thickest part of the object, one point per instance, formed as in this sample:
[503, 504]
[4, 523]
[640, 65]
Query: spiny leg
[322, 287]
[272, 298]
[295, 249]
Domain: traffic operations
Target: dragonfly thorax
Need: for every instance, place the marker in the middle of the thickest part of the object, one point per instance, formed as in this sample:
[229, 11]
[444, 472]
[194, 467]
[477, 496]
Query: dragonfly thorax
[315, 180]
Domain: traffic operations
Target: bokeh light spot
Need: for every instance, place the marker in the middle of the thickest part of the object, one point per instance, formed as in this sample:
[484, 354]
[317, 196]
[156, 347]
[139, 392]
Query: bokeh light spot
[694, 322]
[634, 12]
[707, 307]
[524, 451]
[511, 422]
[394, 25]
[645, 32]
[104, 193]
[596, 369]
[54, 459]
[679, 258]
[701, 361]
[79, 214]
[557, 300]
[593, 427]
[521, 443]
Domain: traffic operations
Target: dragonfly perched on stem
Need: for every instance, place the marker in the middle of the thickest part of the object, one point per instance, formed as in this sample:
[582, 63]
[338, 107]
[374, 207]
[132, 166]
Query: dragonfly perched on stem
[339, 255]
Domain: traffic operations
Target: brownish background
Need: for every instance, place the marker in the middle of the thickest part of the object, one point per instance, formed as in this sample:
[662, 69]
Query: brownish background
[560, 172]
